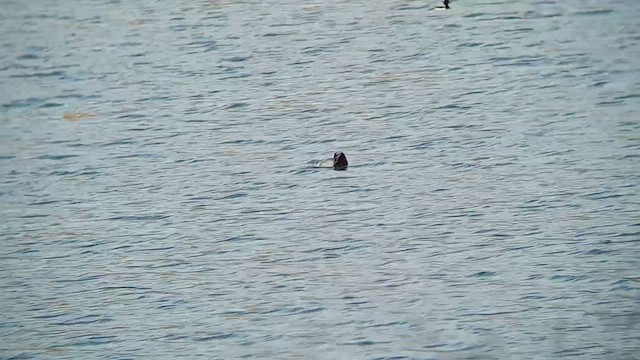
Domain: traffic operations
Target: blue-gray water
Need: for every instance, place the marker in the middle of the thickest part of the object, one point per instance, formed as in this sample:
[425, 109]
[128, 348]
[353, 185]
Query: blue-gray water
[158, 197]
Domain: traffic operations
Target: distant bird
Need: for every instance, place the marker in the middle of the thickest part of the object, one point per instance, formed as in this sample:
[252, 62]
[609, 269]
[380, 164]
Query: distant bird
[446, 5]
[339, 162]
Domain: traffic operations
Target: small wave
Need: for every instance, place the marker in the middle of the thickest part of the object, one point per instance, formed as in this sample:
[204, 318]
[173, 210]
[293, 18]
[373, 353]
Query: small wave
[593, 12]
[221, 336]
[34, 216]
[83, 320]
[484, 274]
[366, 343]
[237, 106]
[597, 252]
[22, 103]
[237, 58]
[51, 105]
[42, 74]
[629, 96]
[140, 217]
[27, 57]
[568, 278]
[410, 7]
[56, 157]
[476, 14]
[48, 202]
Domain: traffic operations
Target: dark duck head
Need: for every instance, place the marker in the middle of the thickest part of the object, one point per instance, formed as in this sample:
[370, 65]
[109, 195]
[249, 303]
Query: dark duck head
[340, 161]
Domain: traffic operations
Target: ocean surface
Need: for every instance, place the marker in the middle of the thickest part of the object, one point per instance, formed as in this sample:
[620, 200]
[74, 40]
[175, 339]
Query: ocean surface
[159, 199]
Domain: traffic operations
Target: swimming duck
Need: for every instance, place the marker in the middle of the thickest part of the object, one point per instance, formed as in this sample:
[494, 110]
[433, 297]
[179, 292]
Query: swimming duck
[446, 5]
[339, 162]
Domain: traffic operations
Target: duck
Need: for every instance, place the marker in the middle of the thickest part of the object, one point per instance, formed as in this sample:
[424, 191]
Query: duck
[339, 162]
[445, 7]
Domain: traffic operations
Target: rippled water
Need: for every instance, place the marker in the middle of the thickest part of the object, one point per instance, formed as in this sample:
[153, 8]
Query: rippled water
[158, 196]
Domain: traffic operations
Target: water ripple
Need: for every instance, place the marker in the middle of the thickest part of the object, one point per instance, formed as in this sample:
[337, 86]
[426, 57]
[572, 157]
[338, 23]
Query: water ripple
[160, 196]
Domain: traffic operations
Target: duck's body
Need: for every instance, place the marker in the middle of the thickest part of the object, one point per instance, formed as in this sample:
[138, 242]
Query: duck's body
[445, 7]
[339, 162]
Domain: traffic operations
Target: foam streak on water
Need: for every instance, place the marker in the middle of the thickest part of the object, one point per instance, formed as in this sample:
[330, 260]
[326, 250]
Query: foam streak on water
[159, 195]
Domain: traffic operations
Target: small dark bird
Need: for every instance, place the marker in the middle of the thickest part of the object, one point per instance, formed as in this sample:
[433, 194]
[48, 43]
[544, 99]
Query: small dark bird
[340, 161]
[445, 7]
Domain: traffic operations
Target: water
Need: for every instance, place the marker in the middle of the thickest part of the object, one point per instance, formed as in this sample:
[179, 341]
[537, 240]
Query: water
[158, 197]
